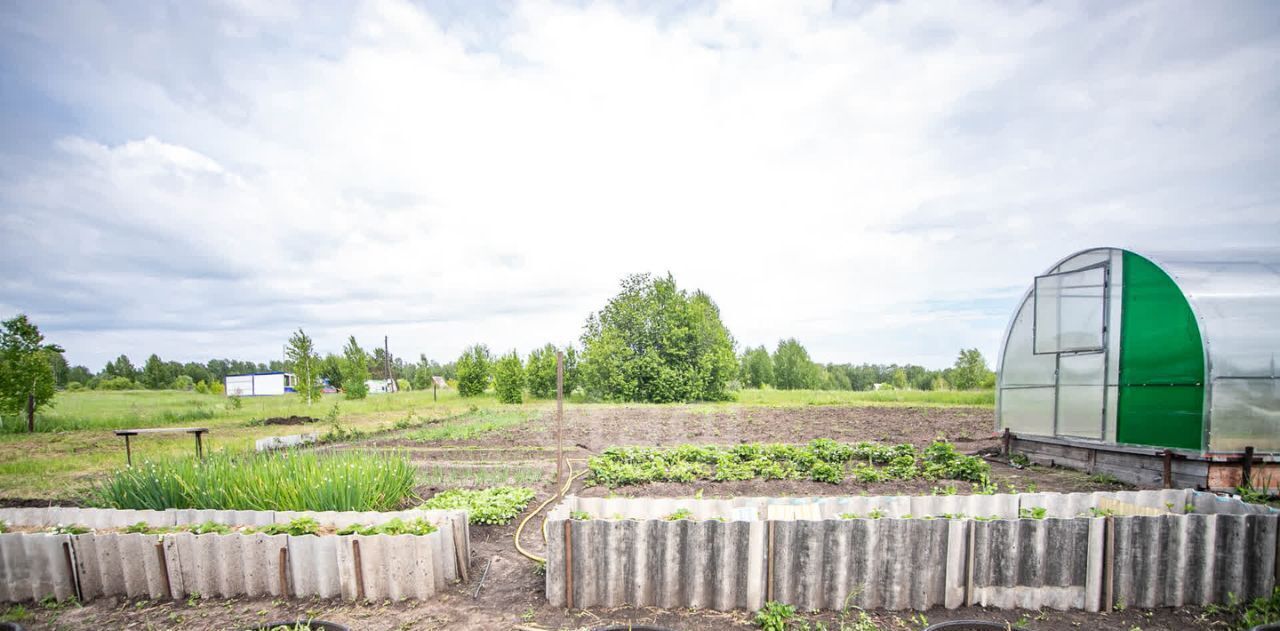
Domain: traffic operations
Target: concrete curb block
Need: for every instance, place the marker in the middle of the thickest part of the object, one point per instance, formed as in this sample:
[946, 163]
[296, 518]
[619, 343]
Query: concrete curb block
[34, 566]
[739, 553]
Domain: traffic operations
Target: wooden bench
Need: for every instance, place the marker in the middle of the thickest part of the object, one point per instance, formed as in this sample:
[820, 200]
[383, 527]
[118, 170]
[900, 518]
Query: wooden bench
[128, 453]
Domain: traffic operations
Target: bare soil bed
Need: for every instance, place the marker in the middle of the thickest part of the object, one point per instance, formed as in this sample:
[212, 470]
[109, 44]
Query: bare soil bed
[511, 596]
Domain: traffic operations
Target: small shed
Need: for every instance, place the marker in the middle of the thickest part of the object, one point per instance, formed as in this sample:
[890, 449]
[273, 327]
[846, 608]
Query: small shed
[259, 384]
[380, 386]
[1151, 367]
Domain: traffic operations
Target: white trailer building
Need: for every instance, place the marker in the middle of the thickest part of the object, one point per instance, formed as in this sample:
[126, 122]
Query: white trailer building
[260, 384]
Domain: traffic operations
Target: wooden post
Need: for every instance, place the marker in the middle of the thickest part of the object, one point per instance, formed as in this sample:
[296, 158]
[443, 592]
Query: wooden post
[1246, 472]
[1168, 468]
[284, 572]
[128, 453]
[359, 569]
[164, 570]
[434, 397]
[568, 564]
[1007, 440]
[559, 420]
[31, 412]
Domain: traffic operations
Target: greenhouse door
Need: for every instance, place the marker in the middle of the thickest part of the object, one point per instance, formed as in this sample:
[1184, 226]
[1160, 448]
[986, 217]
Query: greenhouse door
[1071, 316]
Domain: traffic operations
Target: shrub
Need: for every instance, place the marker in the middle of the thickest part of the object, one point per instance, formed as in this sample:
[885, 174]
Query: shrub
[117, 383]
[657, 343]
[473, 370]
[282, 480]
[493, 506]
[508, 379]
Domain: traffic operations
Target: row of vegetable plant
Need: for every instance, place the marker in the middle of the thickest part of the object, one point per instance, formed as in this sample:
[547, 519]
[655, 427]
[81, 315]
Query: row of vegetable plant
[822, 460]
[285, 480]
[493, 506]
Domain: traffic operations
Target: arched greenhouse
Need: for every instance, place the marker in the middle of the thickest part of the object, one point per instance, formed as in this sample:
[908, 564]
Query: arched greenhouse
[1153, 368]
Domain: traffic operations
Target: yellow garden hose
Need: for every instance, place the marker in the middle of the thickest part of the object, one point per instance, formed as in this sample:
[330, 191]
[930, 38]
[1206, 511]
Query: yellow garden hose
[520, 528]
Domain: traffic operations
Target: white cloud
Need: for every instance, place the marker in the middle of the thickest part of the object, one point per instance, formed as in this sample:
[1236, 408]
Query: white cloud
[880, 185]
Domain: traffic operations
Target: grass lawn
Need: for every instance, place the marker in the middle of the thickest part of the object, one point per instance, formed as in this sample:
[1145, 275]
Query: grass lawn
[74, 447]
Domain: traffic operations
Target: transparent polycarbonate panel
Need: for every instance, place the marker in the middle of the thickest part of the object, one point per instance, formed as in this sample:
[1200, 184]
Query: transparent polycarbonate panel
[1245, 412]
[1027, 410]
[1080, 395]
[1081, 370]
[1019, 366]
[1236, 296]
[1112, 406]
[1069, 309]
[1080, 411]
[1088, 258]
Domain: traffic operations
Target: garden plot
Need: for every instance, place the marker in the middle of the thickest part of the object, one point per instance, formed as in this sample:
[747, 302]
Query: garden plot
[513, 593]
[1061, 551]
[178, 553]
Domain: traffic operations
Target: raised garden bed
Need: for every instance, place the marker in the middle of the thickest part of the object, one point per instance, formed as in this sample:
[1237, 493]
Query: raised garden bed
[177, 553]
[1065, 551]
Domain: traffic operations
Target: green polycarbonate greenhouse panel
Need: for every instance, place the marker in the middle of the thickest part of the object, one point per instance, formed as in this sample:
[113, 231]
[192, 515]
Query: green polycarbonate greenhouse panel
[1161, 361]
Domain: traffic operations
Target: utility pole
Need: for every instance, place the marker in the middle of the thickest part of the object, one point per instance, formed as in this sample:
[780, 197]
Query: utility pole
[559, 419]
[386, 356]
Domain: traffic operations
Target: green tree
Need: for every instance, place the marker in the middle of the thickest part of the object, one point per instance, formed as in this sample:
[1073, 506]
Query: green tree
[508, 378]
[474, 367]
[657, 343]
[540, 372]
[355, 370]
[155, 375]
[79, 374]
[970, 371]
[899, 379]
[757, 368]
[331, 370]
[122, 367]
[302, 357]
[792, 368]
[26, 369]
[61, 369]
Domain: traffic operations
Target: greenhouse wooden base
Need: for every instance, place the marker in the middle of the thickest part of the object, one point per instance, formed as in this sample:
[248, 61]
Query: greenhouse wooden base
[1149, 466]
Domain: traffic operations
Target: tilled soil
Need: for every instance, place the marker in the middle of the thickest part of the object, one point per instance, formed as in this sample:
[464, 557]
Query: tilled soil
[290, 420]
[511, 596]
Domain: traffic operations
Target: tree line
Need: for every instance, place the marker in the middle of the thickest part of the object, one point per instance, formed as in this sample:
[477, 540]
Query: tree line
[652, 342]
[789, 368]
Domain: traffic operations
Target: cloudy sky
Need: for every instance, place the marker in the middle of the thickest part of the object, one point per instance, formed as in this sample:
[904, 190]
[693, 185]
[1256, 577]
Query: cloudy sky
[879, 180]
